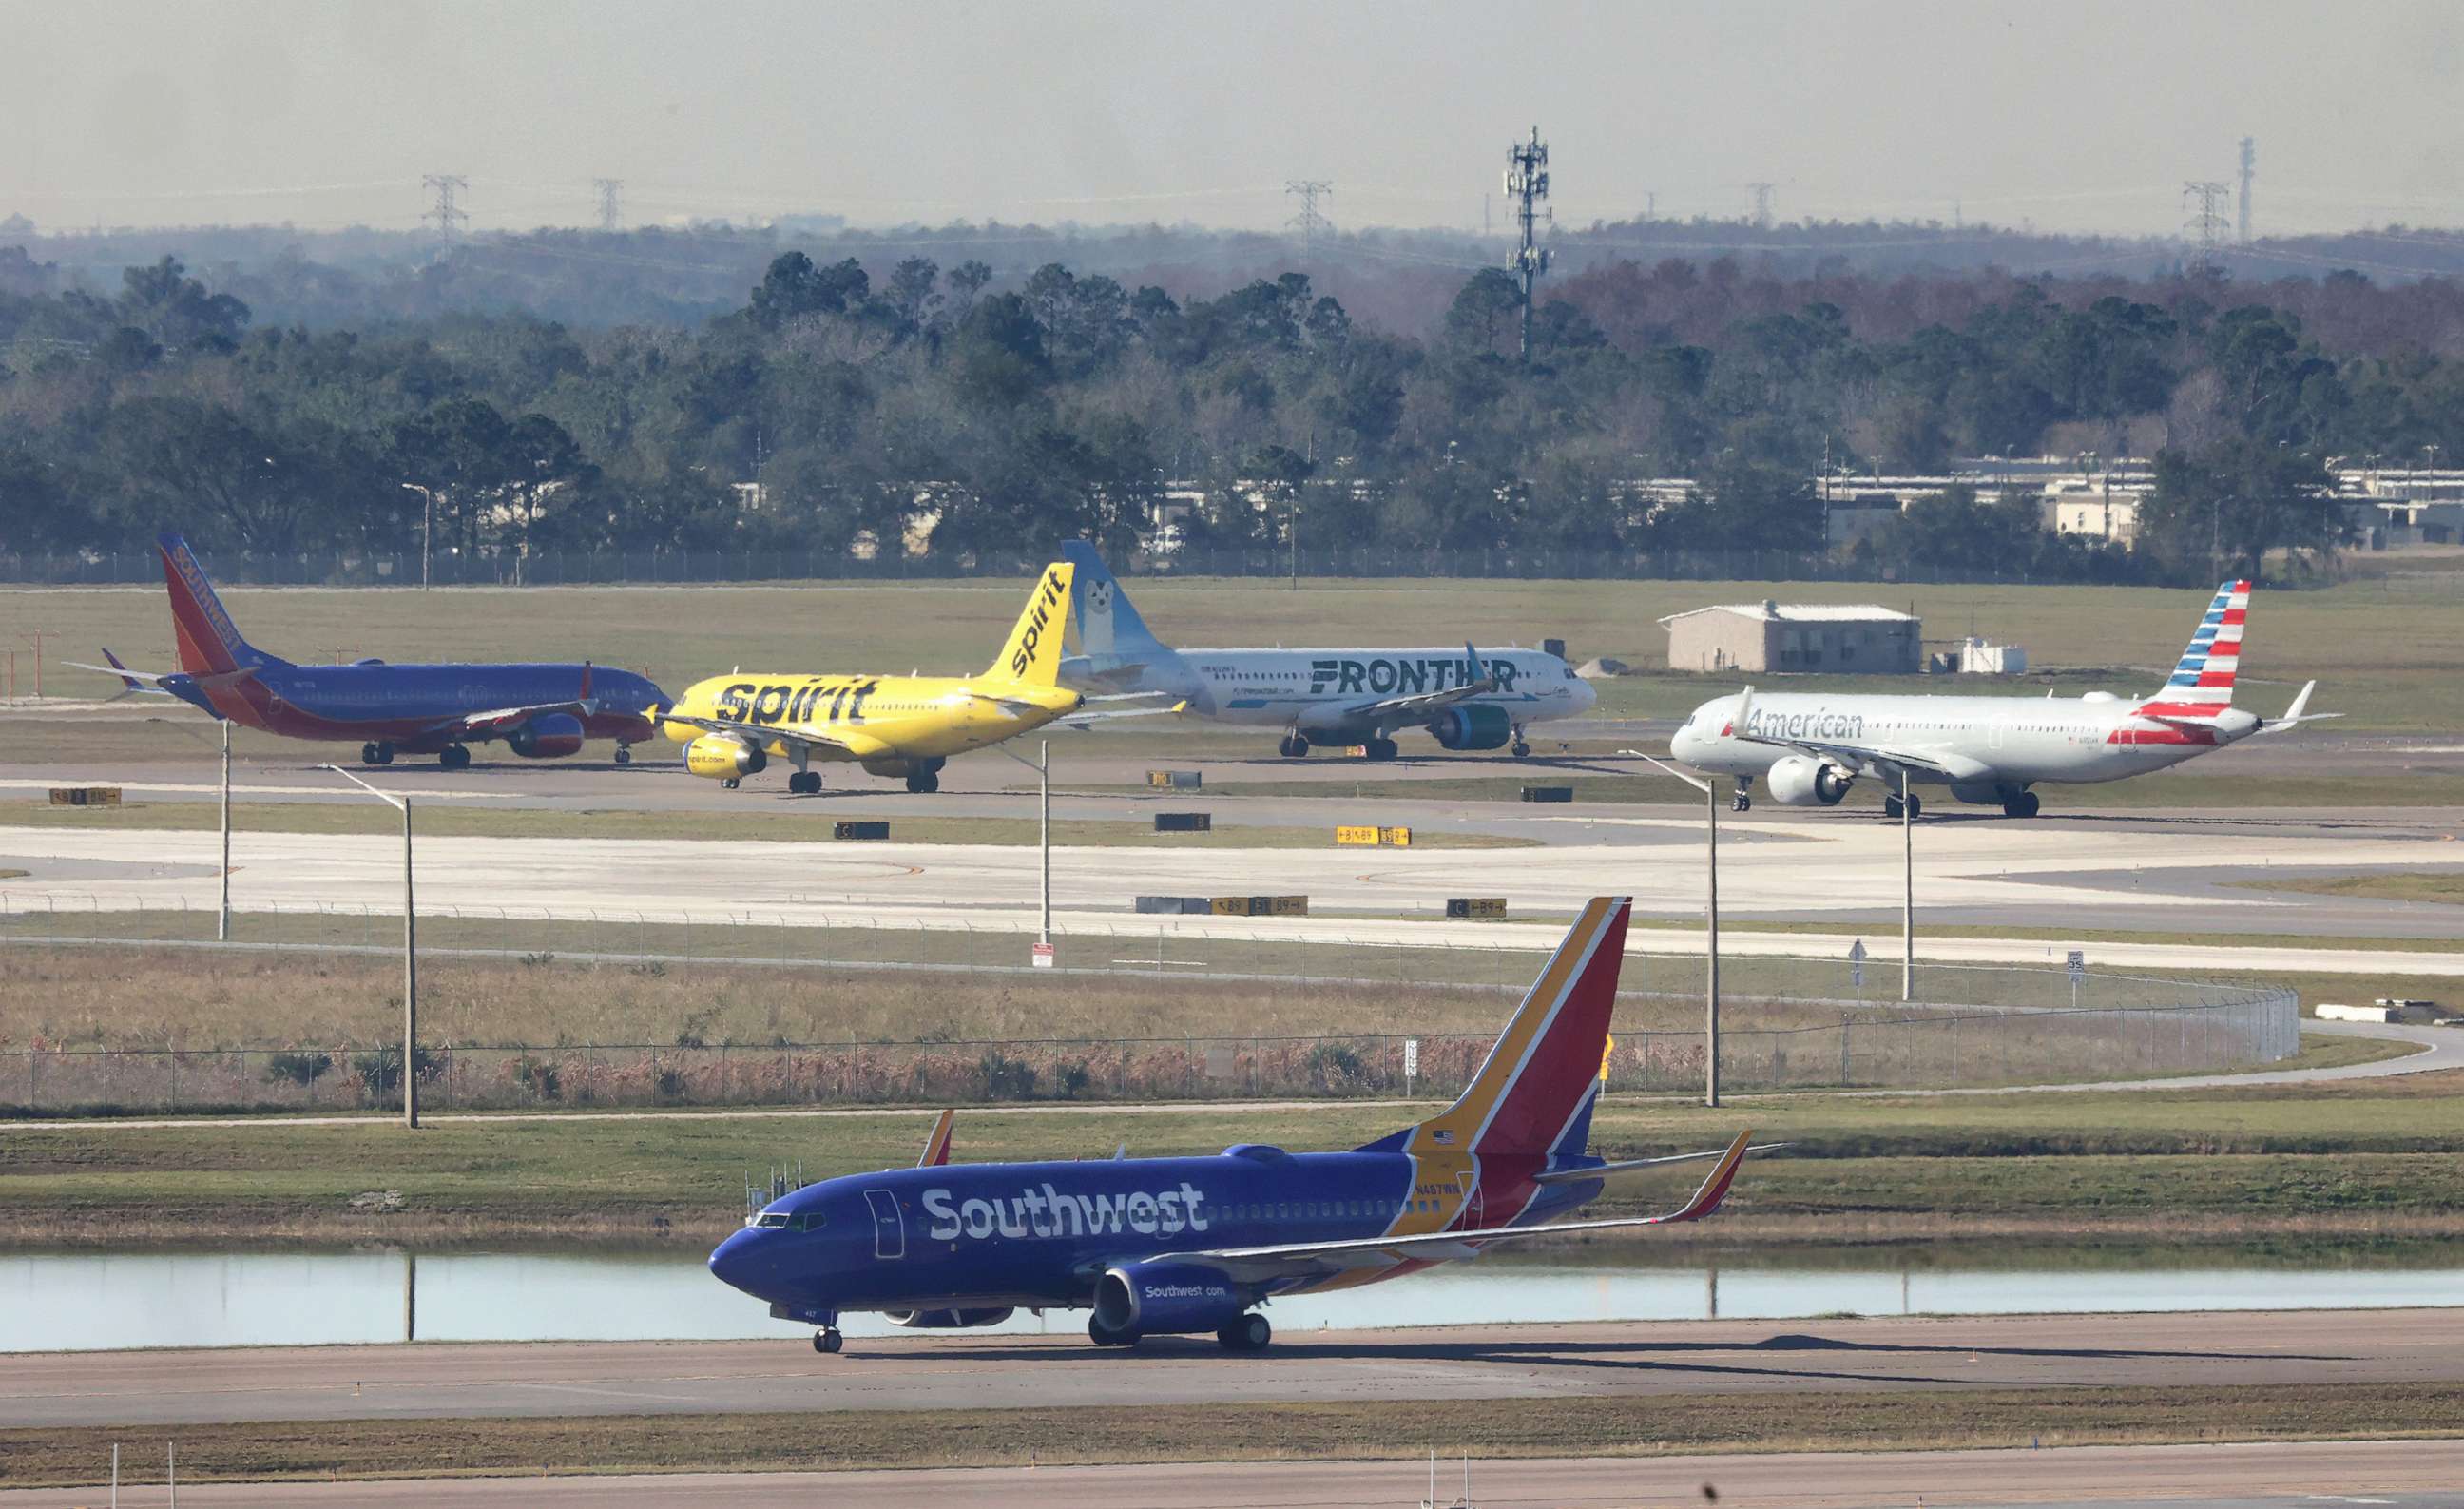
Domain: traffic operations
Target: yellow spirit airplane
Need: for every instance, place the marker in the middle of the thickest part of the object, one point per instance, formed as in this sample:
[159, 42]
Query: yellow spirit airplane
[893, 726]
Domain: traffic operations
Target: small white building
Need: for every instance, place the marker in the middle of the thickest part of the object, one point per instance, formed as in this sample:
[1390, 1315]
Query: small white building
[1851, 638]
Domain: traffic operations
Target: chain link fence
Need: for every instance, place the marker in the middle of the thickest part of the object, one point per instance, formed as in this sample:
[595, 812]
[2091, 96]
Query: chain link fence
[1789, 1022]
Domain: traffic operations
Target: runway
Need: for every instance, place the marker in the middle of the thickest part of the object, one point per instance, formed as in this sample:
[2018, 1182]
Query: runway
[2401, 1473]
[2304, 1348]
[2016, 877]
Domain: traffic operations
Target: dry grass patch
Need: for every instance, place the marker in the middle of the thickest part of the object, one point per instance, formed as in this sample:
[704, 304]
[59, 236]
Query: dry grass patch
[839, 1440]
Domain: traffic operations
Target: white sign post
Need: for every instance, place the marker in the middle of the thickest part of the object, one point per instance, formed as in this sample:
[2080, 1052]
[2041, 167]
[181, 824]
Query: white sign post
[2079, 973]
[1411, 1064]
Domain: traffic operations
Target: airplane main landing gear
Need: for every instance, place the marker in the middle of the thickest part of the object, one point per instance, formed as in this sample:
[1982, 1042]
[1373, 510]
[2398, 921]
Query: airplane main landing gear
[804, 783]
[828, 1340]
[453, 757]
[1249, 1334]
[1916, 807]
[1744, 801]
[1522, 749]
[623, 754]
[918, 781]
[378, 752]
[2020, 804]
[1382, 748]
[1294, 746]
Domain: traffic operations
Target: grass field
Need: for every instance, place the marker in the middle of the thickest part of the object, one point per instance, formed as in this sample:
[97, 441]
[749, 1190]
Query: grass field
[2435, 885]
[2369, 1157]
[2388, 651]
[1665, 1425]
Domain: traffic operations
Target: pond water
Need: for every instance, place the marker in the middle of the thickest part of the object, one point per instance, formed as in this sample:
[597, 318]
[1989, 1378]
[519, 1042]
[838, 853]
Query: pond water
[82, 1300]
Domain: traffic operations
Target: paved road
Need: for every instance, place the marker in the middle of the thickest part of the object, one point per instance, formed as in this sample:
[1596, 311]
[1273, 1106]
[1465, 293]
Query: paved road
[2406, 1475]
[2023, 875]
[940, 1372]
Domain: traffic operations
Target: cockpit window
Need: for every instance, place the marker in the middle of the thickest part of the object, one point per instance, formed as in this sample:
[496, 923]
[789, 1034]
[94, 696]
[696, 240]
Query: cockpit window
[791, 1220]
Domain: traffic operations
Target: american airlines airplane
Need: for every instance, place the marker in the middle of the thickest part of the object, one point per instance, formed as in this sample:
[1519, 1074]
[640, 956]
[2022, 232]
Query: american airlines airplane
[1471, 700]
[1811, 747]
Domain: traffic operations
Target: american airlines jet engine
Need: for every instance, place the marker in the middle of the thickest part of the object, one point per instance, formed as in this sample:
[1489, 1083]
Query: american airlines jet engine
[724, 756]
[1472, 725]
[947, 1320]
[1803, 781]
[1165, 1299]
[550, 736]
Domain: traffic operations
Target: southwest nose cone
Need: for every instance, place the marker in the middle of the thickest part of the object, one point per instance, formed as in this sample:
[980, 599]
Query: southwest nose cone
[740, 1262]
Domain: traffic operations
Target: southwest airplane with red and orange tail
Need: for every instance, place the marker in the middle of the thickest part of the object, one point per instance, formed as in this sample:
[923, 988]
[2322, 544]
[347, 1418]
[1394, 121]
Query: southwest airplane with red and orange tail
[1174, 1245]
[541, 711]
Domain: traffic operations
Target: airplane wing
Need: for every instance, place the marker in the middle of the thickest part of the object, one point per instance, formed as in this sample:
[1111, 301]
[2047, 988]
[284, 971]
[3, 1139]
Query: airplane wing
[1318, 1259]
[1637, 1165]
[1412, 709]
[853, 746]
[496, 720]
[132, 683]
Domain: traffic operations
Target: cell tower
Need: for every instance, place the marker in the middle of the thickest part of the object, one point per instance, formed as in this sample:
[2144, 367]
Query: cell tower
[1309, 221]
[2249, 167]
[447, 214]
[2205, 229]
[1527, 183]
[1762, 204]
[608, 189]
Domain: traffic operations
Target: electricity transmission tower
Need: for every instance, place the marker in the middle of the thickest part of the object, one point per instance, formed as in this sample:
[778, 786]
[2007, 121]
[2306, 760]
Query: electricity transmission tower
[1527, 183]
[1762, 204]
[608, 187]
[1309, 221]
[2206, 227]
[2249, 169]
[444, 211]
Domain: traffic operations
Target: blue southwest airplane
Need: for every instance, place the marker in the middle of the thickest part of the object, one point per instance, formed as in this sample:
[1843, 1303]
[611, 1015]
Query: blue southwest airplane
[1174, 1245]
[542, 711]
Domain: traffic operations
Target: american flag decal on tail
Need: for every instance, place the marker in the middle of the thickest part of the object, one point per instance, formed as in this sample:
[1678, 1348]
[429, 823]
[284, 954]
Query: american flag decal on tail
[2204, 678]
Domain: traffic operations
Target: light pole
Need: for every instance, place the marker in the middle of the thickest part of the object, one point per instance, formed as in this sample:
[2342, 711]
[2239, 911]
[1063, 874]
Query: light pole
[1907, 891]
[1042, 765]
[409, 957]
[222, 927]
[1711, 922]
[427, 527]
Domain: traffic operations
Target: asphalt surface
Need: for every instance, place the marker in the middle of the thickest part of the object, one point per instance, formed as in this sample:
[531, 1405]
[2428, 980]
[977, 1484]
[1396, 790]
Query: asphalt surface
[2402, 1474]
[2025, 878]
[145, 1388]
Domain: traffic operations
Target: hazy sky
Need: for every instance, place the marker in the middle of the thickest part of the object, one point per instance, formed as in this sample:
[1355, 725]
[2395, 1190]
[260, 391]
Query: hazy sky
[2076, 116]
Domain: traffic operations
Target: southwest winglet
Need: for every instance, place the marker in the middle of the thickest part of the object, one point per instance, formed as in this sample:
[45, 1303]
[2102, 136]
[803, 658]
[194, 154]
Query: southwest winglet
[1715, 1186]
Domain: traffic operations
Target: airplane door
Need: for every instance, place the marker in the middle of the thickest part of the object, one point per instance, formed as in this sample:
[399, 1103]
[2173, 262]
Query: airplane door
[888, 1231]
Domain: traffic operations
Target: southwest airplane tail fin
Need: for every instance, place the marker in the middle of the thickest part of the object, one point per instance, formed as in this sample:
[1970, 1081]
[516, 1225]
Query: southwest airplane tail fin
[1033, 652]
[1532, 1094]
[1100, 609]
[210, 642]
[2203, 678]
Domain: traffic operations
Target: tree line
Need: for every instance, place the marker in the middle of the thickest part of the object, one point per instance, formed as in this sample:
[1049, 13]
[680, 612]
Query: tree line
[953, 412]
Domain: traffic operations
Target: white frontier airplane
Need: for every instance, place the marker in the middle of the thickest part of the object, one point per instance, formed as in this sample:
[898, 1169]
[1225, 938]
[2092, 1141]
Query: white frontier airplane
[1813, 745]
[1477, 699]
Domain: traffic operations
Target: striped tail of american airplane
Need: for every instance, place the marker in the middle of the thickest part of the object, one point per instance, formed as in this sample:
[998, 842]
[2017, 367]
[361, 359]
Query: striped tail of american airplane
[2203, 678]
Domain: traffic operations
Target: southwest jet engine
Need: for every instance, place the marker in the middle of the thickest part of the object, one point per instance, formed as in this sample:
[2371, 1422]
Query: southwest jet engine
[1803, 781]
[551, 737]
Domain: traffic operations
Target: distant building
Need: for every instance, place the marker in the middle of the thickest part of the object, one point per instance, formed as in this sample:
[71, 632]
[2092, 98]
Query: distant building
[1837, 638]
[2099, 513]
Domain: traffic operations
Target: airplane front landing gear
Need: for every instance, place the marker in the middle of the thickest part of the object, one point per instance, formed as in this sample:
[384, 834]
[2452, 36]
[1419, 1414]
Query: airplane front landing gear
[1103, 1334]
[1293, 747]
[1249, 1334]
[730, 784]
[829, 1341]
[378, 752]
